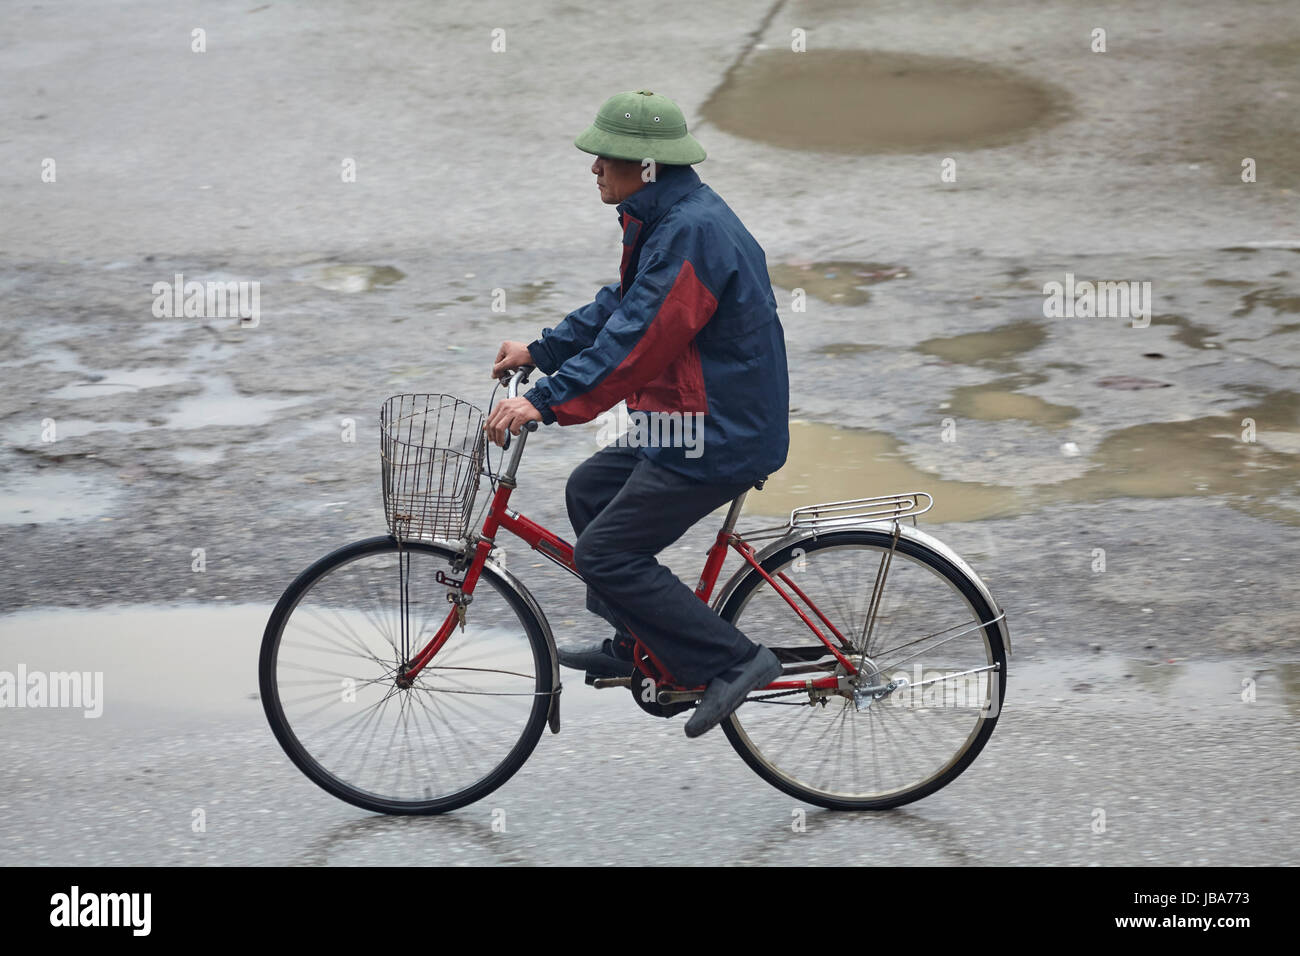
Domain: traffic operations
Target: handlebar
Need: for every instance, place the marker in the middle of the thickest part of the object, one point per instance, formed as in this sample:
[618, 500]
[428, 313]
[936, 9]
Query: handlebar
[513, 378]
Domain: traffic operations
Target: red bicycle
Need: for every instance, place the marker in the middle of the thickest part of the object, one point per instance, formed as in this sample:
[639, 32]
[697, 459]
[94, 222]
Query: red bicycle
[412, 673]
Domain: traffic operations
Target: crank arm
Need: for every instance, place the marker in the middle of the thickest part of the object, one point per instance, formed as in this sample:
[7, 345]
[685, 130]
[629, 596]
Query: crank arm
[602, 682]
[679, 696]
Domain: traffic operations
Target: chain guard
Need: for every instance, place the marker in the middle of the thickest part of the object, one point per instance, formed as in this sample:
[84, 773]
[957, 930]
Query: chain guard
[643, 692]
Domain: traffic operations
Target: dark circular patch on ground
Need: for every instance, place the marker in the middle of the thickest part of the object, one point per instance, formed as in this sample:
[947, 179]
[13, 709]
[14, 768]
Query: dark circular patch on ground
[858, 101]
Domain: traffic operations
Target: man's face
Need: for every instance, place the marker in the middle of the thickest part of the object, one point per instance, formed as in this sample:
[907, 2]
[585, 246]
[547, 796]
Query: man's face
[617, 178]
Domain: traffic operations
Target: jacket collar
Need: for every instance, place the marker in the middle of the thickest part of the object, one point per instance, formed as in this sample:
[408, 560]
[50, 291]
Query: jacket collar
[648, 204]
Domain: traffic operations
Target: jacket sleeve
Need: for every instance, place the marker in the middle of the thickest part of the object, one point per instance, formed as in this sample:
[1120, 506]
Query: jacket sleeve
[575, 331]
[660, 314]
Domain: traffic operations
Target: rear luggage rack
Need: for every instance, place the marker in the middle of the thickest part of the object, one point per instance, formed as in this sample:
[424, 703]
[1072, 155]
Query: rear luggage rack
[837, 515]
[882, 508]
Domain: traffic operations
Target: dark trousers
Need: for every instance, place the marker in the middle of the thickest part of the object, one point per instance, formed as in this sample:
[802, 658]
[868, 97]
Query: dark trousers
[626, 510]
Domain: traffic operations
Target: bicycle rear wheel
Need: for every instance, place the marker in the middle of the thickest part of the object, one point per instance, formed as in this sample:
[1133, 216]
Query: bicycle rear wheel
[330, 657]
[932, 634]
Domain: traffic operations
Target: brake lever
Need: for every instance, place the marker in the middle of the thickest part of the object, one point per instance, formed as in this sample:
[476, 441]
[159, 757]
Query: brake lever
[526, 426]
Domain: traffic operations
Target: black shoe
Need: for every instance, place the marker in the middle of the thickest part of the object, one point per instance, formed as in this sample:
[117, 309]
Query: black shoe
[728, 691]
[601, 660]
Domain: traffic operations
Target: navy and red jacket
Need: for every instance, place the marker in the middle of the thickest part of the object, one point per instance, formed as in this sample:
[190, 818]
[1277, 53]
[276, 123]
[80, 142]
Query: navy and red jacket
[691, 326]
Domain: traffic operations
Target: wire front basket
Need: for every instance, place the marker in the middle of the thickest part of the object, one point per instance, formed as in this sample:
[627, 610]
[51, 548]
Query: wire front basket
[431, 449]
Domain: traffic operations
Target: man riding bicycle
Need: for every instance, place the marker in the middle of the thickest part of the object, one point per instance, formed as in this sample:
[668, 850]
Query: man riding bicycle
[689, 330]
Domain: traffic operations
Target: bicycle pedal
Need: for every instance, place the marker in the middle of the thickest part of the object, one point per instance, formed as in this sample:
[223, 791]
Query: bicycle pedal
[602, 682]
[682, 696]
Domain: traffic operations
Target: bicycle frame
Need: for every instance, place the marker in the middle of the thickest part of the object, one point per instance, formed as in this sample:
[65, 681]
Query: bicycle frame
[551, 546]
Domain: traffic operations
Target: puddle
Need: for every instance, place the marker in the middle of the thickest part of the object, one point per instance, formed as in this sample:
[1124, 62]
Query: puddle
[1159, 686]
[348, 278]
[220, 404]
[61, 359]
[855, 101]
[1271, 298]
[827, 463]
[43, 497]
[112, 383]
[183, 662]
[994, 345]
[994, 402]
[527, 295]
[1189, 333]
[1288, 674]
[1130, 383]
[1197, 458]
[168, 666]
[199, 663]
[1200, 457]
[31, 435]
[199, 456]
[837, 282]
[837, 349]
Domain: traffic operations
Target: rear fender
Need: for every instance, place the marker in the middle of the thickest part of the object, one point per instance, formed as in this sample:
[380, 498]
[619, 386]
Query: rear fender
[905, 531]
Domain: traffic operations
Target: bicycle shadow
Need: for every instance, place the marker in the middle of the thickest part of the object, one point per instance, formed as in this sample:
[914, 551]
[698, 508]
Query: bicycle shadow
[906, 824]
[903, 822]
[476, 833]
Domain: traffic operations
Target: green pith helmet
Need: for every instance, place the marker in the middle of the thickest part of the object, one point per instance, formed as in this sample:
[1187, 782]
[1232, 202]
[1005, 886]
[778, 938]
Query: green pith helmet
[641, 125]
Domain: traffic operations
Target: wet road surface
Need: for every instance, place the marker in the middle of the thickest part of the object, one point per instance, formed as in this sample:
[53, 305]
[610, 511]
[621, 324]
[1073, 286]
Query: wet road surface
[1130, 491]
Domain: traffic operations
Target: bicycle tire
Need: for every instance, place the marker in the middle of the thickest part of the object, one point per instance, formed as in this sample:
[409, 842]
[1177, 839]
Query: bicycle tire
[964, 753]
[492, 595]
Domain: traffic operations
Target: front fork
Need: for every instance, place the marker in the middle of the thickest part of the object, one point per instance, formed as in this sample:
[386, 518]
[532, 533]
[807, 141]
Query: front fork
[459, 594]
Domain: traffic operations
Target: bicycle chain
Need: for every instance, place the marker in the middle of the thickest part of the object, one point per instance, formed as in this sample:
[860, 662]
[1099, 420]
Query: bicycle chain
[781, 693]
[784, 693]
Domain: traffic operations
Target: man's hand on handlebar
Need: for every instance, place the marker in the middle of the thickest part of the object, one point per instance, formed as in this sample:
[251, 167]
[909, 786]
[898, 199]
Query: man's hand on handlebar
[512, 365]
[511, 356]
[510, 414]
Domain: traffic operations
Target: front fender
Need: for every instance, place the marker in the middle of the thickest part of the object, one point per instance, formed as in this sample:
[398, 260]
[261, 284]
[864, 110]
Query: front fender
[512, 582]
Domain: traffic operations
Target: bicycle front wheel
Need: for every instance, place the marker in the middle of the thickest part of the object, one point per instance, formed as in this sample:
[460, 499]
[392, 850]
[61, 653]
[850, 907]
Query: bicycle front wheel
[332, 652]
[931, 657]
